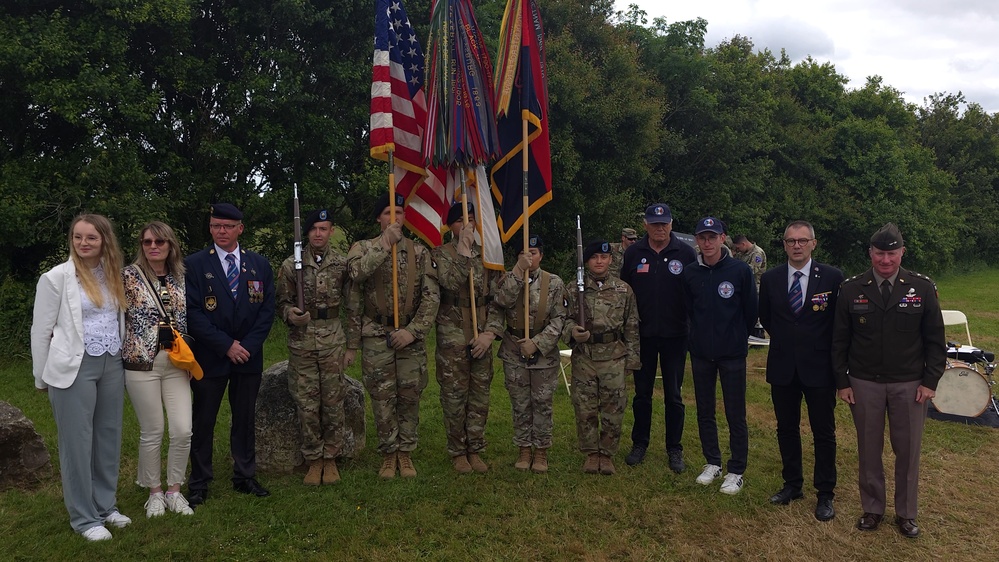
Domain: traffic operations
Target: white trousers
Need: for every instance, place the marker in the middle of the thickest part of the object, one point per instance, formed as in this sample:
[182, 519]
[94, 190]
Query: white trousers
[164, 387]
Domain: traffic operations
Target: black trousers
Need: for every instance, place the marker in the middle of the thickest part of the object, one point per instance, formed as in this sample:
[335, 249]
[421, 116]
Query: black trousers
[208, 392]
[672, 353]
[820, 402]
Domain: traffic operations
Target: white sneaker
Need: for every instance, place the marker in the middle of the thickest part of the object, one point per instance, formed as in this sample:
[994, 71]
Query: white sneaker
[709, 474]
[117, 519]
[177, 503]
[155, 505]
[97, 533]
[732, 484]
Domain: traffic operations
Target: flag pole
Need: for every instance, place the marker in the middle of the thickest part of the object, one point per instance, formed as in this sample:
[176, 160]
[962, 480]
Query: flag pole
[525, 159]
[471, 271]
[395, 263]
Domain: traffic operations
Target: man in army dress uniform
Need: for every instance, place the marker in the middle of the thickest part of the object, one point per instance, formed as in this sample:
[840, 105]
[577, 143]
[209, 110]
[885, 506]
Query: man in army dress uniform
[604, 351]
[530, 365]
[319, 347]
[464, 355]
[394, 360]
[889, 352]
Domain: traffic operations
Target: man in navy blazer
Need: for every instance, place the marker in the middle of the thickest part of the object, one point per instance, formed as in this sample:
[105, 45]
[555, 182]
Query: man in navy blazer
[230, 308]
[797, 301]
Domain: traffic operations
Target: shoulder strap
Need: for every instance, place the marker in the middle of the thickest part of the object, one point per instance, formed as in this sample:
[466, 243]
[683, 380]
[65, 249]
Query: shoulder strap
[149, 287]
[542, 314]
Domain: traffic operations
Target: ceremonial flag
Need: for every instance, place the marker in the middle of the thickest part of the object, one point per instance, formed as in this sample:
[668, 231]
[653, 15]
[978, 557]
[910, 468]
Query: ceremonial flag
[522, 93]
[477, 191]
[398, 117]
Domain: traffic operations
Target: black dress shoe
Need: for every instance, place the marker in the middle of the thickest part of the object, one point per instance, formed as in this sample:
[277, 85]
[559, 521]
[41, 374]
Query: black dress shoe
[786, 495]
[824, 509]
[869, 521]
[251, 486]
[636, 456]
[196, 496]
[907, 527]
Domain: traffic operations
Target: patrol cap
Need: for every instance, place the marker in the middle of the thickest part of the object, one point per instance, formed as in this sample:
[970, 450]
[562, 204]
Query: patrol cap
[319, 215]
[225, 211]
[629, 233]
[887, 238]
[383, 201]
[454, 214]
[596, 247]
[709, 224]
[658, 213]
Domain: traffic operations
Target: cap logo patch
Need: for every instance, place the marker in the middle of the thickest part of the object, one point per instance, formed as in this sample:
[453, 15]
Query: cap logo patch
[709, 222]
[659, 210]
[532, 241]
[323, 215]
[605, 248]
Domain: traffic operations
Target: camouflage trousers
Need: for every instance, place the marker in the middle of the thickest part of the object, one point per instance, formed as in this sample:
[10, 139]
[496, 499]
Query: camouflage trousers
[464, 397]
[531, 394]
[316, 384]
[599, 398]
[395, 381]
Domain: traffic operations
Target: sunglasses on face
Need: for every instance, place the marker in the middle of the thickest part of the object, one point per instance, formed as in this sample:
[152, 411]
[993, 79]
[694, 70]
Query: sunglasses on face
[147, 242]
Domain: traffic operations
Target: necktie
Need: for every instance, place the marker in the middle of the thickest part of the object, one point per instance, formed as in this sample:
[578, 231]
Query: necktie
[886, 291]
[232, 274]
[794, 296]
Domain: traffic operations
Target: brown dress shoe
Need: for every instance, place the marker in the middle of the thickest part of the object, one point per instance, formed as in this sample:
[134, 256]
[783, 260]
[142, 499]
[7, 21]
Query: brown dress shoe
[387, 470]
[592, 464]
[907, 527]
[461, 465]
[869, 521]
[523, 459]
[477, 464]
[330, 473]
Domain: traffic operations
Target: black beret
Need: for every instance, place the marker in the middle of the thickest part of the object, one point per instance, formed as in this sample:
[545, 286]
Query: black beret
[226, 211]
[596, 247]
[319, 215]
[383, 202]
[887, 238]
[454, 214]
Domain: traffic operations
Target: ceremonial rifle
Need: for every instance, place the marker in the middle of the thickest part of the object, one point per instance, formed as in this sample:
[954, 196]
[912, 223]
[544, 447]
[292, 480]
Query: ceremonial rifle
[299, 272]
[580, 282]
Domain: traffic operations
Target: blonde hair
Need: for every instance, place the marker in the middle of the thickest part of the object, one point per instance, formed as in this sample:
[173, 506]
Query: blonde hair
[174, 261]
[111, 261]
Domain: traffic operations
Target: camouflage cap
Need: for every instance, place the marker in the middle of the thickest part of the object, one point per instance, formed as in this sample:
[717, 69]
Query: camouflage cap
[629, 233]
[887, 238]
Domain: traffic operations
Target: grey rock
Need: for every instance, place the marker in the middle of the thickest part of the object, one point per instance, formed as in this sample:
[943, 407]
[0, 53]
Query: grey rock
[24, 461]
[278, 435]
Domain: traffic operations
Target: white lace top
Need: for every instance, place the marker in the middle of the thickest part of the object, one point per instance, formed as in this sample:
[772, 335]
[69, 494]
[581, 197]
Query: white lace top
[100, 325]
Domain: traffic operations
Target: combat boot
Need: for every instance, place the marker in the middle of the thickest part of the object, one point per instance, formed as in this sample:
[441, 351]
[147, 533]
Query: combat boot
[406, 468]
[388, 466]
[540, 465]
[592, 464]
[461, 465]
[330, 473]
[477, 464]
[524, 459]
[606, 465]
[315, 474]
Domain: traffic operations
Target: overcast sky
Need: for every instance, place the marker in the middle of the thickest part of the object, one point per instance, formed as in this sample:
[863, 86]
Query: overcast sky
[919, 47]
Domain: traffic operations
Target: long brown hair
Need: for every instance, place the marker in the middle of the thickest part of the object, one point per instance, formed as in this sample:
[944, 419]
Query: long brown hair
[111, 261]
[174, 261]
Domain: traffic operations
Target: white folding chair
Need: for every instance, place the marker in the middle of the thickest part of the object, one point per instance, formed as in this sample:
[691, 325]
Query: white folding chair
[956, 318]
[565, 355]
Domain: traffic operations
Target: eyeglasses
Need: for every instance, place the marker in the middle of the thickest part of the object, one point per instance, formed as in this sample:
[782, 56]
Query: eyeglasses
[223, 227]
[797, 241]
[147, 242]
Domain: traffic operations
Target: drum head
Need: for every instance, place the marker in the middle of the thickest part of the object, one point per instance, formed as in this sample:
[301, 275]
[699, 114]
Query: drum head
[962, 392]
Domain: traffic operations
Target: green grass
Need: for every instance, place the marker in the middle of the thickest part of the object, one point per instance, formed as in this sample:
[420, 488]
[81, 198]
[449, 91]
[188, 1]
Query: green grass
[642, 513]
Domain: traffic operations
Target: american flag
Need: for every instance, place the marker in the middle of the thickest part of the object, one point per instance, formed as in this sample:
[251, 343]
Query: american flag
[398, 116]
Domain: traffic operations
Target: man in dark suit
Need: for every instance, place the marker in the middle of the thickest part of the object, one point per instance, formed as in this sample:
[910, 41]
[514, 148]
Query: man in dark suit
[230, 307]
[797, 305]
[889, 352]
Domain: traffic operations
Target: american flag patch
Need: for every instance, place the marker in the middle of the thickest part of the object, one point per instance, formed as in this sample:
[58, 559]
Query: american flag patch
[643, 268]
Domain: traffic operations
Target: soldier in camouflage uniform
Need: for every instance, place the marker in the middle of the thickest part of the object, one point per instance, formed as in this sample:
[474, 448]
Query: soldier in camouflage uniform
[604, 351]
[747, 251]
[464, 359]
[394, 362]
[628, 237]
[319, 346]
[530, 365]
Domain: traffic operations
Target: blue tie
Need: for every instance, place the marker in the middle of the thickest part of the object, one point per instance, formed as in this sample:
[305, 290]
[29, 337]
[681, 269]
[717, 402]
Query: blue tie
[232, 274]
[794, 295]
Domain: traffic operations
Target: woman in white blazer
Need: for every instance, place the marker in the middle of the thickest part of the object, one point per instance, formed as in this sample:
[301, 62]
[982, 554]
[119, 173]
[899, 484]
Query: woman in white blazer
[76, 334]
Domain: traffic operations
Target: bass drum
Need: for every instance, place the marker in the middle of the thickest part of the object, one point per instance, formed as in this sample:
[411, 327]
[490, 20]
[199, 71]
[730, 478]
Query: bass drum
[962, 391]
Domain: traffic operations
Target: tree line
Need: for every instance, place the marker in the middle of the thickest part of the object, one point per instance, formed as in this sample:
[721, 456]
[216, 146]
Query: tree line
[154, 109]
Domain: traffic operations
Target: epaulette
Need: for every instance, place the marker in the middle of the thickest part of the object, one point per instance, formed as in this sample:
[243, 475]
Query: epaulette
[854, 278]
[919, 275]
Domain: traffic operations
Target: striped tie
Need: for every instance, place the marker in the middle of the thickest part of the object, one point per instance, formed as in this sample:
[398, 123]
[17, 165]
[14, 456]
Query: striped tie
[232, 274]
[794, 295]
